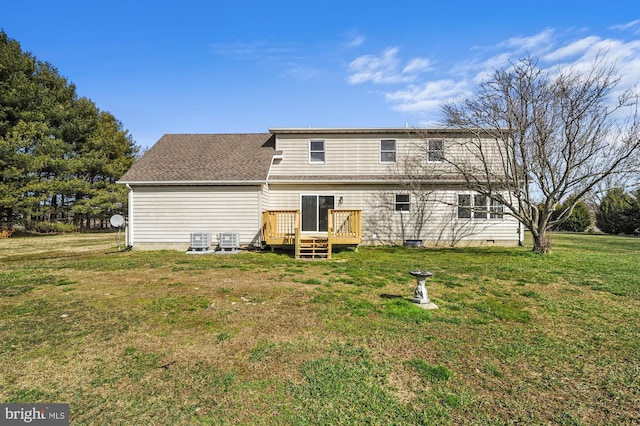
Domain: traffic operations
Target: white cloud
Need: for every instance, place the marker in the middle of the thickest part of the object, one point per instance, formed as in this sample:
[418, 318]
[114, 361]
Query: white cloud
[535, 43]
[484, 69]
[578, 47]
[427, 97]
[356, 41]
[385, 68]
[417, 65]
[457, 79]
[377, 69]
[627, 25]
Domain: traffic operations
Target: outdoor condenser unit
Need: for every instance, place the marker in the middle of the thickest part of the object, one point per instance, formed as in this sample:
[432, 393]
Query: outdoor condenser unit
[229, 241]
[200, 241]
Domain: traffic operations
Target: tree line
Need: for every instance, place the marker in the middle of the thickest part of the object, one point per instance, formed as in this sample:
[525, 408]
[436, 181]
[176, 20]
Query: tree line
[618, 212]
[60, 155]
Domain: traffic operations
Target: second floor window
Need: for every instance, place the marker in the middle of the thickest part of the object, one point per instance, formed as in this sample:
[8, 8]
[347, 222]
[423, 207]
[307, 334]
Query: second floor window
[388, 151]
[316, 152]
[435, 150]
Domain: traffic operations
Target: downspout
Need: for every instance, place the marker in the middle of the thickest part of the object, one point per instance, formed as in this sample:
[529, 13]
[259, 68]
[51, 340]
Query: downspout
[129, 233]
[260, 211]
[266, 182]
[274, 157]
[520, 235]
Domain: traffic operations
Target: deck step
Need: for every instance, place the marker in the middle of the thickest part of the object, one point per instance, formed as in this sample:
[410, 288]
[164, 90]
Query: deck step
[313, 248]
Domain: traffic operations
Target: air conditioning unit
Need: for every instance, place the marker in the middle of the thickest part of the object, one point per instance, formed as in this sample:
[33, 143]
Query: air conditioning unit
[229, 242]
[200, 241]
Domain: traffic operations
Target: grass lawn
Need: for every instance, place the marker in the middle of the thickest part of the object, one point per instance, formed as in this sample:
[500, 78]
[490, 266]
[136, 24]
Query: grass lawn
[260, 338]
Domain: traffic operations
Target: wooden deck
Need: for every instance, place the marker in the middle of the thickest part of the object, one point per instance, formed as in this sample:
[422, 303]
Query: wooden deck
[282, 228]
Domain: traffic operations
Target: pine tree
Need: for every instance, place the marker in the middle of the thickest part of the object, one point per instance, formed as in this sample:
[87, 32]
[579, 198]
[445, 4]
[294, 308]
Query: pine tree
[611, 214]
[59, 154]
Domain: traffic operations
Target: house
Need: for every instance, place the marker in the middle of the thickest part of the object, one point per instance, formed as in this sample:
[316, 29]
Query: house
[323, 186]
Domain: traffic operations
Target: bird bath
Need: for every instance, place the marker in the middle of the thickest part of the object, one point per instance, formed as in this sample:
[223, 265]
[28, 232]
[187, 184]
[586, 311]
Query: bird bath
[420, 295]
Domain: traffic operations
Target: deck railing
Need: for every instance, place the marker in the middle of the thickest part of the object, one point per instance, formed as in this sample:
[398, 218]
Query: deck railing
[279, 227]
[345, 226]
[282, 227]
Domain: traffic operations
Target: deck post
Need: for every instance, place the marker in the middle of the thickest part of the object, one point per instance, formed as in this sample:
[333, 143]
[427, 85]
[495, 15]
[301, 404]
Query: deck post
[297, 234]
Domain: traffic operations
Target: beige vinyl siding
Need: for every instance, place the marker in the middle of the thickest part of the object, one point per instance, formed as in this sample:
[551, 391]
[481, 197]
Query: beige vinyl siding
[165, 216]
[264, 198]
[344, 154]
[382, 224]
[351, 154]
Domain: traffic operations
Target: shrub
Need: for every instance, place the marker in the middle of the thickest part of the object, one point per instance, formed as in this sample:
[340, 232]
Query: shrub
[51, 227]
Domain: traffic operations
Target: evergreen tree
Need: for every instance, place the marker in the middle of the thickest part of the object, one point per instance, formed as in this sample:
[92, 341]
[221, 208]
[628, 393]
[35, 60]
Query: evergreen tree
[611, 214]
[632, 214]
[59, 154]
[578, 221]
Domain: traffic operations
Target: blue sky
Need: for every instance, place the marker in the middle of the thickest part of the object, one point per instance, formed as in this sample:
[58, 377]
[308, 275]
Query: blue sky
[245, 66]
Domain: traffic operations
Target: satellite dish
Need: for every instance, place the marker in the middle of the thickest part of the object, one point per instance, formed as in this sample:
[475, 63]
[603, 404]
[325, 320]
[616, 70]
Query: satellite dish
[116, 221]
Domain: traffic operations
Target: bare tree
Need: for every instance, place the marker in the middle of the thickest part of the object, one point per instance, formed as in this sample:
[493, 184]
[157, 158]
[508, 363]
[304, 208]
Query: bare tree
[545, 135]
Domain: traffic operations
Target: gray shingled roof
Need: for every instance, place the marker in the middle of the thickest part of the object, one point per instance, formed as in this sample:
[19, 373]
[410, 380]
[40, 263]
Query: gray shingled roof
[205, 158]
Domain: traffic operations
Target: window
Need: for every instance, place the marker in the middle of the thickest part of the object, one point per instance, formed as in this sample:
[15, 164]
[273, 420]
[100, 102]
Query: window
[435, 150]
[403, 202]
[496, 210]
[479, 207]
[316, 152]
[388, 151]
[464, 206]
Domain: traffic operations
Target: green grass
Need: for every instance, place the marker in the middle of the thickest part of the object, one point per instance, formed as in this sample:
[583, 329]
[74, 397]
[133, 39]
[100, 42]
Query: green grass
[162, 337]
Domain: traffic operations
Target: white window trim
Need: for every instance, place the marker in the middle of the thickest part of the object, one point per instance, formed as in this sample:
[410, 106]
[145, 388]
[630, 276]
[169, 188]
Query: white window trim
[324, 152]
[395, 151]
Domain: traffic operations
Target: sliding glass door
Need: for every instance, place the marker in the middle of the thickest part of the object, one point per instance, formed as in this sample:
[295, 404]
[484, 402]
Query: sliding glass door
[315, 212]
